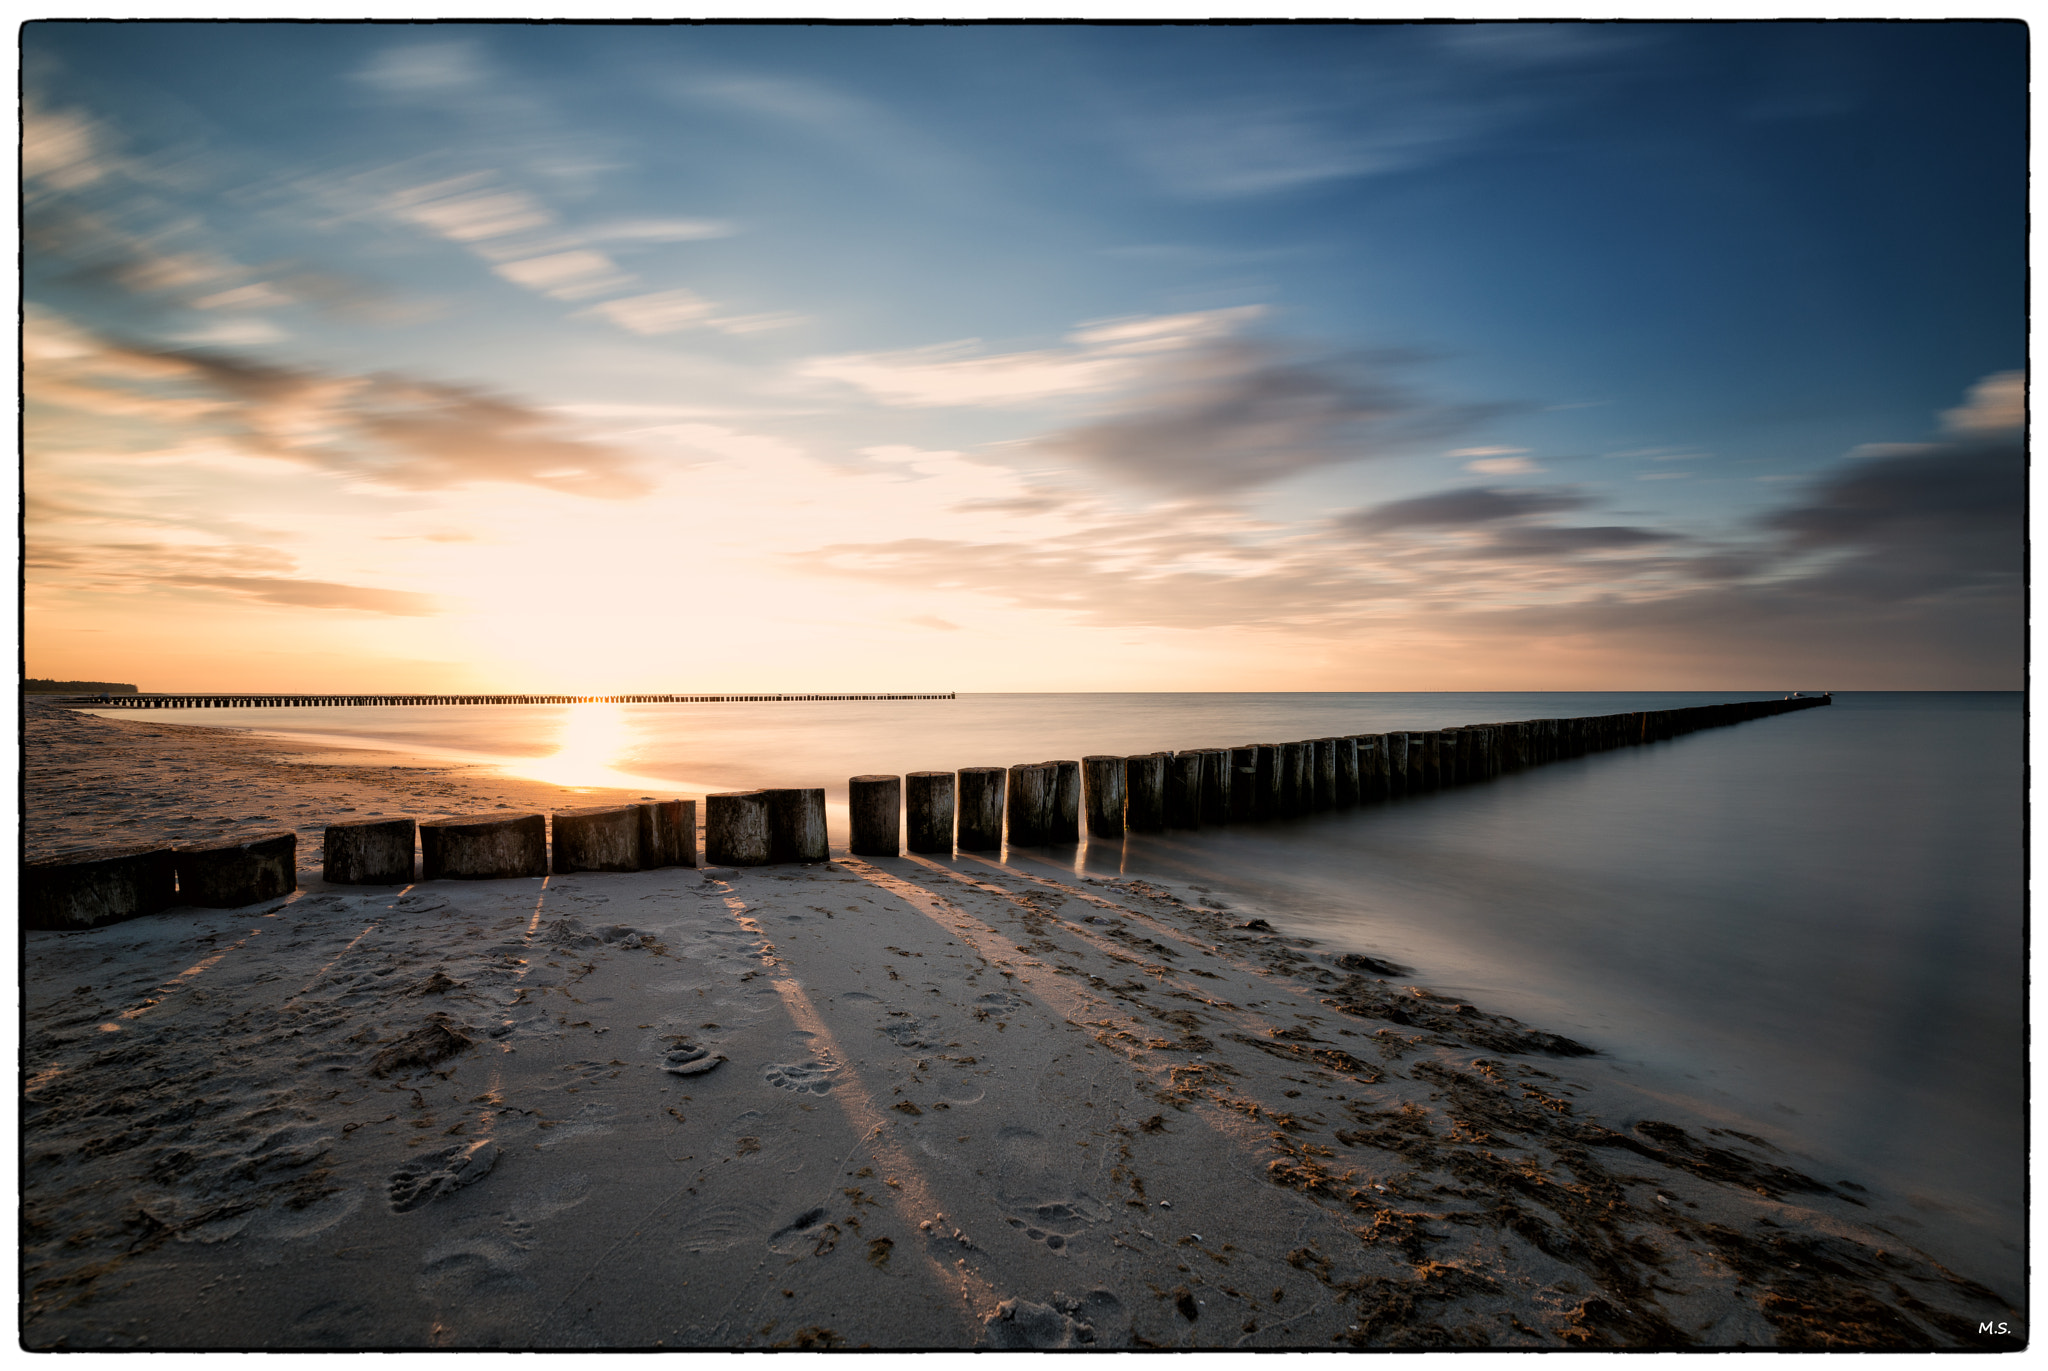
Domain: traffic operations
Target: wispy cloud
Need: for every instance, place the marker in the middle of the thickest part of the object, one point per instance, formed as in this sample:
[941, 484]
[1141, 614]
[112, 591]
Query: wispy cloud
[393, 430]
[249, 573]
[1099, 357]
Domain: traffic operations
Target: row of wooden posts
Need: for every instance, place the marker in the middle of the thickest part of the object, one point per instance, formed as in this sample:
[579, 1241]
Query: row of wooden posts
[975, 809]
[111, 701]
[1038, 804]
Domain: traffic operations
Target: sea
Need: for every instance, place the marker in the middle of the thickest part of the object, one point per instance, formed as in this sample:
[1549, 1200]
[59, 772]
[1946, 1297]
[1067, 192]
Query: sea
[1809, 929]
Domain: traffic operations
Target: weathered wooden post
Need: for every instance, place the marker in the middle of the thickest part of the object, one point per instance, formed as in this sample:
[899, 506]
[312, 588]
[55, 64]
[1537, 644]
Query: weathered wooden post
[796, 824]
[1066, 803]
[1348, 778]
[1215, 808]
[1145, 792]
[735, 828]
[1393, 764]
[1368, 749]
[1183, 800]
[368, 852]
[1265, 792]
[981, 808]
[874, 807]
[1323, 788]
[1030, 804]
[483, 847]
[1102, 788]
[1450, 765]
[668, 833]
[1424, 747]
[1298, 765]
[1244, 777]
[930, 801]
[602, 838]
[229, 874]
[86, 888]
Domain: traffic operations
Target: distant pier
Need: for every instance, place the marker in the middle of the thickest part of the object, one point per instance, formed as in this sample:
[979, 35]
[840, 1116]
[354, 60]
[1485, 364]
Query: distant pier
[293, 701]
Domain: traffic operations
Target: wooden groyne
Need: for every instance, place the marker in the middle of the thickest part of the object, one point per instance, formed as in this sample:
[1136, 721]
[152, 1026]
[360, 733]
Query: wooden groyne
[290, 701]
[976, 809]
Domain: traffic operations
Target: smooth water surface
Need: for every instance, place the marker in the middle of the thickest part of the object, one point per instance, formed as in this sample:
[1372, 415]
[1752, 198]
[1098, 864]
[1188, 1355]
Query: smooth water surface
[1809, 927]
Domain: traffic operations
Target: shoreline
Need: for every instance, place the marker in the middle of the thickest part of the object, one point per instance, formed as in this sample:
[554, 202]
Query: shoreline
[946, 1101]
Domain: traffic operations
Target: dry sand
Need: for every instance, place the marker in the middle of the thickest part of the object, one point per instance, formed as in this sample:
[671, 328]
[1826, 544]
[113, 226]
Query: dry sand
[898, 1103]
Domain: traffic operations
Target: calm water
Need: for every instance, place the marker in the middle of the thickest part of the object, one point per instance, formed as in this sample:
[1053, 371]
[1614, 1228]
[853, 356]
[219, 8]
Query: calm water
[1809, 928]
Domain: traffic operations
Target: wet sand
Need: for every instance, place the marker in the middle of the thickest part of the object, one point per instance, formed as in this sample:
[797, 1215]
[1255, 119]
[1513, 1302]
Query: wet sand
[887, 1102]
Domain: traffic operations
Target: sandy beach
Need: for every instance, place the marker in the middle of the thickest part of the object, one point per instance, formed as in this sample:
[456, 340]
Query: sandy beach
[900, 1102]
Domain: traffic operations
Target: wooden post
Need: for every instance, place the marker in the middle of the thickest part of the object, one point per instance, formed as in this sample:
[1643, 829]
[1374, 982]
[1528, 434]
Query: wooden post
[735, 828]
[603, 838]
[86, 888]
[1065, 825]
[796, 824]
[1244, 776]
[1347, 791]
[875, 806]
[235, 872]
[1422, 763]
[1216, 779]
[1324, 794]
[981, 808]
[1382, 785]
[368, 852]
[1450, 766]
[930, 802]
[1030, 804]
[1184, 791]
[483, 847]
[1266, 781]
[1290, 769]
[668, 833]
[1145, 792]
[1102, 786]
[1395, 745]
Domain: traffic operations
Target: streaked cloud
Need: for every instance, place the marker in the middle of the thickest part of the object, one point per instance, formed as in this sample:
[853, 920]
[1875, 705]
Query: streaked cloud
[393, 430]
[1462, 509]
[1504, 466]
[1102, 356]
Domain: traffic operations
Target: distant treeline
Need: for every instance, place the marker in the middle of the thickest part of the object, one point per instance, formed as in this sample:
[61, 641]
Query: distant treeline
[35, 687]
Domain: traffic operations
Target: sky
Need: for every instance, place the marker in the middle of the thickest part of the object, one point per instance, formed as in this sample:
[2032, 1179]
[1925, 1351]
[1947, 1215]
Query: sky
[1501, 356]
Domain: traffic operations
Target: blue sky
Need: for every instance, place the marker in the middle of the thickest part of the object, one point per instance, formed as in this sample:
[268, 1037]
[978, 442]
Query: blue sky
[1317, 357]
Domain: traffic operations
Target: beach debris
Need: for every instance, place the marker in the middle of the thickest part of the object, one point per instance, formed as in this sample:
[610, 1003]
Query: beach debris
[429, 1176]
[439, 983]
[691, 1061]
[439, 1039]
[1255, 926]
[1355, 961]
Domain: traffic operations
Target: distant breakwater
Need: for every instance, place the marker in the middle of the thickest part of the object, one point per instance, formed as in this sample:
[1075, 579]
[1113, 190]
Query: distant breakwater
[290, 701]
[976, 809]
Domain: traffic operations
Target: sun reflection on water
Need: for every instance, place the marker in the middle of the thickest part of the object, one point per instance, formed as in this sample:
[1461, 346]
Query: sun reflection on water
[594, 744]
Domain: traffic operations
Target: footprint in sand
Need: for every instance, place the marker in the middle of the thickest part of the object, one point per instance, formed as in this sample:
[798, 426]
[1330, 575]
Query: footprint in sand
[1026, 1325]
[909, 1035]
[1052, 1223]
[812, 1077]
[434, 1174]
